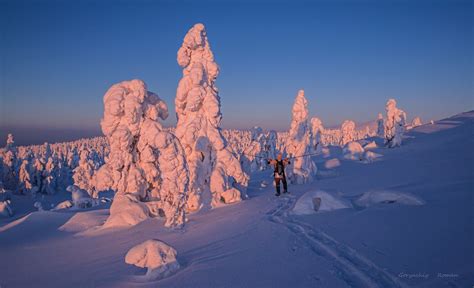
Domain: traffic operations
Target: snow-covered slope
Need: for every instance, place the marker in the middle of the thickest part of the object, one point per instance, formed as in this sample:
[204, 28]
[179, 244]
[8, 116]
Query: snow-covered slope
[378, 241]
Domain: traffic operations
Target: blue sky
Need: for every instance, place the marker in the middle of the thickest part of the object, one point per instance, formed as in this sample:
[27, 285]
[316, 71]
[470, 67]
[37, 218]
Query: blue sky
[59, 57]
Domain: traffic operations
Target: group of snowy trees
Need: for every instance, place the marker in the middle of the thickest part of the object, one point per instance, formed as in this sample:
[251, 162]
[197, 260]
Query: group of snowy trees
[168, 172]
[47, 168]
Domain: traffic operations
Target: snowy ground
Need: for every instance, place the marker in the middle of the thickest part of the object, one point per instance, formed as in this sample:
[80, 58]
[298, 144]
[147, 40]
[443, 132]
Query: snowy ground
[409, 223]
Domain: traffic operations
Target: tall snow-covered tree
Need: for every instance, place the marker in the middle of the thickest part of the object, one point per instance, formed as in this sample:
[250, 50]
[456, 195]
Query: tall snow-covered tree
[216, 175]
[299, 144]
[146, 165]
[394, 124]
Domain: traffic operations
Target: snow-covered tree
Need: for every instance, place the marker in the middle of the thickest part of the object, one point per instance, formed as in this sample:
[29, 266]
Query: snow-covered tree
[9, 164]
[216, 174]
[394, 124]
[254, 156]
[380, 126]
[24, 178]
[50, 177]
[146, 165]
[416, 122]
[298, 144]
[83, 174]
[271, 144]
[348, 132]
[38, 179]
[316, 131]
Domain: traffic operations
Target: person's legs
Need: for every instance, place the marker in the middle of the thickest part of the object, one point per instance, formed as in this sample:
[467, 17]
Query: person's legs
[285, 186]
[277, 185]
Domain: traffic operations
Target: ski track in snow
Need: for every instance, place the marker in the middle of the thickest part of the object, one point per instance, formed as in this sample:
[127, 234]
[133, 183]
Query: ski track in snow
[354, 269]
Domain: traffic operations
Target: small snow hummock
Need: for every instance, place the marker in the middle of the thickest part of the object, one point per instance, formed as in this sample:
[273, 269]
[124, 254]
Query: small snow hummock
[394, 124]
[158, 257]
[370, 156]
[214, 170]
[387, 197]
[314, 201]
[299, 144]
[332, 163]
[353, 151]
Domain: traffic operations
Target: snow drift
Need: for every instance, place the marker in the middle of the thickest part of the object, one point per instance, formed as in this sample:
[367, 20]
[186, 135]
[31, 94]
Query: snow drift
[371, 198]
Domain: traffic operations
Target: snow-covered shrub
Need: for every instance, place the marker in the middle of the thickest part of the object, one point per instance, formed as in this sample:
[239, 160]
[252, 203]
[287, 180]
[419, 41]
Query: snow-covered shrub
[380, 126]
[145, 161]
[6, 209]
[298, 144]
[81, 198]
[38, 206]
[158, 257]
[353, 151]
[213, 167]
[416, 122]
[347, 132]
[394, 124]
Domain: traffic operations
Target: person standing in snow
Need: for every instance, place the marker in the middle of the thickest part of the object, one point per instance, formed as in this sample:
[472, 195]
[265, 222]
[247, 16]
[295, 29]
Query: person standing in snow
[279, 172]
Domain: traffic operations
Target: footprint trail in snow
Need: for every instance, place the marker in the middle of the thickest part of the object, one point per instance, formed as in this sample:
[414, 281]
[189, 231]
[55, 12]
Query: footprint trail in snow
[355, 269]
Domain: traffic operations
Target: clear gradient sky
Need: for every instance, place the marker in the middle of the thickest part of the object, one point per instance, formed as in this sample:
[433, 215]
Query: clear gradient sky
[59, 57]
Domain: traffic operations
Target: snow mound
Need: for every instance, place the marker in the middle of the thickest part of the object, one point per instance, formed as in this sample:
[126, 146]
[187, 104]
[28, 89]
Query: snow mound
[371, 198]
[127, 210]
[63, 205]
[370, 156]
[332, 163]
[370, 145]
[158, 257]
[353, 151]
[309, 202]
